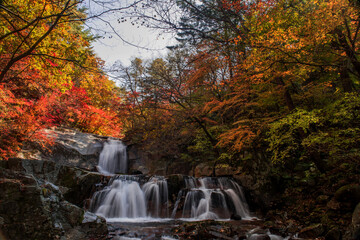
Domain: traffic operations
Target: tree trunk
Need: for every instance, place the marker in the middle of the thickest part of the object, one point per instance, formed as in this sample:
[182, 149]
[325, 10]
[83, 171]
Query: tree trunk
[345, 80]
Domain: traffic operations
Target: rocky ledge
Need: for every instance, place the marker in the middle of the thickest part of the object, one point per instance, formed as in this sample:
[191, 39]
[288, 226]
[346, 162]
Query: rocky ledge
[38, 201]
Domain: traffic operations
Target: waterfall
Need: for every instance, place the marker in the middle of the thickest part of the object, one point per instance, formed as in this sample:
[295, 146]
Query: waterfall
[113, 158]
[214, 198]
[156, 195]
[125, 198]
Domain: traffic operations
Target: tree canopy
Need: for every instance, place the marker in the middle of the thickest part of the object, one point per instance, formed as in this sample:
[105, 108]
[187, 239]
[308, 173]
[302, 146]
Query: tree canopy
[50, 75]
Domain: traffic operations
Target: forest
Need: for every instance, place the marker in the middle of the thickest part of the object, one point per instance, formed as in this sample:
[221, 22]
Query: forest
[270, 88]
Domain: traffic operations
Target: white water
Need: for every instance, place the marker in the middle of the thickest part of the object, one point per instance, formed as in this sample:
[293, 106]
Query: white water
[214, 198]
[113, 158]
[124, 199]
[253, 235]
[133, 199]
[156, 195]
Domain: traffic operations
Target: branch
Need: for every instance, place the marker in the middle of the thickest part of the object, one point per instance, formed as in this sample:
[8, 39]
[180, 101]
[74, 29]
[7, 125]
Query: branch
[32, 48]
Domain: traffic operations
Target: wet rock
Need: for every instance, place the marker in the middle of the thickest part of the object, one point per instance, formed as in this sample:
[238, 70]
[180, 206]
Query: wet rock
[312, 232]
[263, 192]
[175, 184]
[259, 237]
[135, 172]
[220, 235]
[94, 225]
[79, 184]
[138, 160]
[235, 217]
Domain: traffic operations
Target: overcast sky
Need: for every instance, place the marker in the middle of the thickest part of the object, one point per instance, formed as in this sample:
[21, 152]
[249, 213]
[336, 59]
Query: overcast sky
[139, 40]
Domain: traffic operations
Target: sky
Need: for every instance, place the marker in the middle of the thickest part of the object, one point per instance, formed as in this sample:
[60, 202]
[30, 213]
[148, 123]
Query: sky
[139, 41]
[150, 45]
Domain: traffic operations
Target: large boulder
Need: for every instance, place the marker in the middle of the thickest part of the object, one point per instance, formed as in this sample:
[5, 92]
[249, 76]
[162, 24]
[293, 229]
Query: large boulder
[71, 148]
[32, 208]
[76, 185]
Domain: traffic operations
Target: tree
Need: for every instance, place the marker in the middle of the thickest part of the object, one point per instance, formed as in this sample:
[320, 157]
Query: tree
[50, 75]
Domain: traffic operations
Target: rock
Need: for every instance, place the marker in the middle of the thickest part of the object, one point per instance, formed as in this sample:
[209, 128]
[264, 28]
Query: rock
[71, 148]
[26, 215]
[79, 184]
[203, 170]
[333, 234]
[348, 194]
[312, 232]
[32, 208]
[138, 161]
[72, 213]
[355, 228]
[75, 184]
[220, 235]
[356, 216]
[259, 237]
[235, 217]
[94, 225]
[135, 172]
[175, 184]
[226, 170]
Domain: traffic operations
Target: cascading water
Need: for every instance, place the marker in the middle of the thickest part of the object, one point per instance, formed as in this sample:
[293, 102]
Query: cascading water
[213, 198]
[156, 195]
[134, 197]
[124, 198]
[113, 158]
[128, 200]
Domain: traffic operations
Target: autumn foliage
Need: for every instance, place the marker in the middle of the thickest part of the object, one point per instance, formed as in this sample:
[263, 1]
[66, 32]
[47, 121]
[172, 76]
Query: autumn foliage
[50, 75]
[242, 70]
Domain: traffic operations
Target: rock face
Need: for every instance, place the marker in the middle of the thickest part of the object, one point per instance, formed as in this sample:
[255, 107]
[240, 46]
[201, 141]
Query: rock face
[33, 207]
[76, 184]
[71, 148]
[175, 184]
[138, 161]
